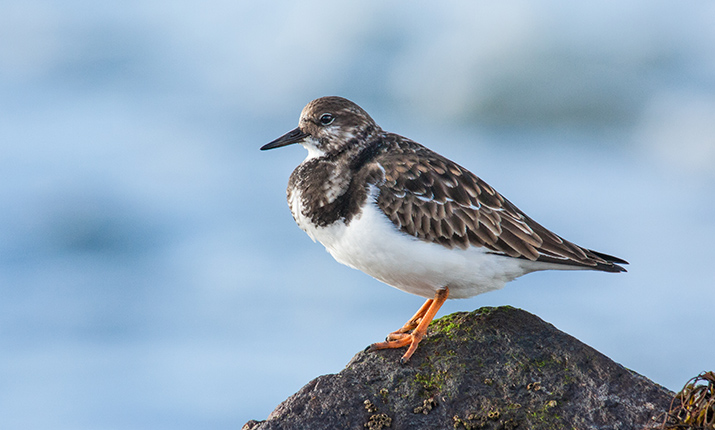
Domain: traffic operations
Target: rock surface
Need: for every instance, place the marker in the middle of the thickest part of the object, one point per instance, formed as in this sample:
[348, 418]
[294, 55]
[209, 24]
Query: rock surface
[494, 368]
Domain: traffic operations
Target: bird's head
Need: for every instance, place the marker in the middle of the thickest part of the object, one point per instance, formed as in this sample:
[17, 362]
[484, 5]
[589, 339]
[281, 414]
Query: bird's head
[328, 125]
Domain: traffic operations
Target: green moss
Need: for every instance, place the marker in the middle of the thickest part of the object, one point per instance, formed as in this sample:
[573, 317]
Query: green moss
[547, 416]
[540, 364]
[513, 406]
[486, 310]
[447, 325]
[450, 324]
[431, 381]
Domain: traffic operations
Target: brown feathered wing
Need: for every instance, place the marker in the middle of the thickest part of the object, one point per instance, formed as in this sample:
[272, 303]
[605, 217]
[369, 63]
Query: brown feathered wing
[433, 199]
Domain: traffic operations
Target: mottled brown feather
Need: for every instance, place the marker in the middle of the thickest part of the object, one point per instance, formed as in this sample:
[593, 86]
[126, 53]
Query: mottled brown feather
[434, 199]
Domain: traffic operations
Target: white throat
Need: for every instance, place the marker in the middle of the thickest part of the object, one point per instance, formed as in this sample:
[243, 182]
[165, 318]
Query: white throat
[313, 151]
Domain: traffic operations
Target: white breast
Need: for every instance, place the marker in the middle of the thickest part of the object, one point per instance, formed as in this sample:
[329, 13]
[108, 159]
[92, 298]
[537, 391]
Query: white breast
[373, 244]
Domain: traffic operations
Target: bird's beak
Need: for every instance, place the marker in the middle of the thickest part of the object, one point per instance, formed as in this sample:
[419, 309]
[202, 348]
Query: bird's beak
[293, 136]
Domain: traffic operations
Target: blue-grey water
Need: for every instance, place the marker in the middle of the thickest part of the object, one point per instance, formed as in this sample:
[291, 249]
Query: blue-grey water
[151, 275]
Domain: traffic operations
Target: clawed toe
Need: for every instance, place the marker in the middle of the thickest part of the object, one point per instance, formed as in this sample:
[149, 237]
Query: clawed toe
[412, 332]
[390, 344]
[396, 336]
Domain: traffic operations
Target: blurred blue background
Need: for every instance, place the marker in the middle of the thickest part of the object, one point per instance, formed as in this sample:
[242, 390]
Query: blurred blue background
[151, 276]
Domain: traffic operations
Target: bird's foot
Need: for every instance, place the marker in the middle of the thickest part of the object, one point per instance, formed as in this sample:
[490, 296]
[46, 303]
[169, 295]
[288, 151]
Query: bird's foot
[414, 330]
[399, 340]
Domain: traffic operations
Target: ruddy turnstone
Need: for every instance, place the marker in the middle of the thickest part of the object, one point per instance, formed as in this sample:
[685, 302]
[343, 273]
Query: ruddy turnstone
[411, 218]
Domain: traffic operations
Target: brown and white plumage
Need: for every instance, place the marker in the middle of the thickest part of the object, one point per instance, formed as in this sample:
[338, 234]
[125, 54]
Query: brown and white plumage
[411, 218]
[434, 199]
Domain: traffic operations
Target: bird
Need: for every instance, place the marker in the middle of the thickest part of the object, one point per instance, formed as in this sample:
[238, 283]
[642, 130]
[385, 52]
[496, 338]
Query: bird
[411, 218]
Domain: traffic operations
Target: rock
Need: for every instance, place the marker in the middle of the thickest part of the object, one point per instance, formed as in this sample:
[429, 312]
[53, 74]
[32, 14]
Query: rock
[494, 368]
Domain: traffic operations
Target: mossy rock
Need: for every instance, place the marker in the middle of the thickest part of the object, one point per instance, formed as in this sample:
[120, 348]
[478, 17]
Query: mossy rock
[494, 368]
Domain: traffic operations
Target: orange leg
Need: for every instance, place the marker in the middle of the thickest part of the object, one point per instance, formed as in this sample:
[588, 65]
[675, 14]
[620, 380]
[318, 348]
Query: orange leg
[412, 323]
[418, 324]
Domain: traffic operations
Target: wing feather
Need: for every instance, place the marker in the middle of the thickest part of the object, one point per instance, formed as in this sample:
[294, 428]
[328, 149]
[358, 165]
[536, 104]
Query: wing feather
[433, 199]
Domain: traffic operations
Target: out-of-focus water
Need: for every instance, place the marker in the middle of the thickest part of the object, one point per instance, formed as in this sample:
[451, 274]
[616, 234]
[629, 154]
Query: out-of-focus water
[151, 275]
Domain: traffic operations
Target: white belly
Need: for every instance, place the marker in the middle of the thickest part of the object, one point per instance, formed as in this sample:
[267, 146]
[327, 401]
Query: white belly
[372, 244]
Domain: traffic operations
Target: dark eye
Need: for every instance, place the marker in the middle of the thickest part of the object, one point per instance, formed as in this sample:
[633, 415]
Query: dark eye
[326, 118]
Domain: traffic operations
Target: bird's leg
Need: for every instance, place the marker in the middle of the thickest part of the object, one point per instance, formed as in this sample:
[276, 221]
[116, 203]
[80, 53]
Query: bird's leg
[413, 339]
[412, 323]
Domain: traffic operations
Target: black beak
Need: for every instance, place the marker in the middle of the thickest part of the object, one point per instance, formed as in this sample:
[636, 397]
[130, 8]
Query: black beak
[293, 136]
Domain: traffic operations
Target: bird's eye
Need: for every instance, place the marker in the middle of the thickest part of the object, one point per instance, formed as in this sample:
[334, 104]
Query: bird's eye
[326, 118]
